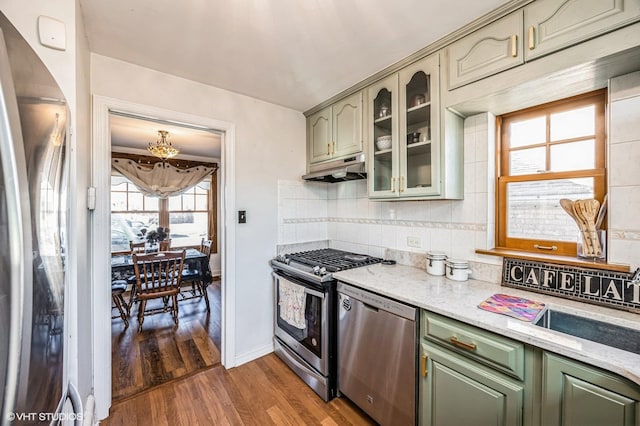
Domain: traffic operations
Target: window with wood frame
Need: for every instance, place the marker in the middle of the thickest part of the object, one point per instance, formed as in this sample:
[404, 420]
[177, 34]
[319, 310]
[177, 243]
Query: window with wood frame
[190, 216]
[547, 153]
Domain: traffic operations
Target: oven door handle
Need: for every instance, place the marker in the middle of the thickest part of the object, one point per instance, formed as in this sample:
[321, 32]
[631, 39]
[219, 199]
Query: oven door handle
[307, 290]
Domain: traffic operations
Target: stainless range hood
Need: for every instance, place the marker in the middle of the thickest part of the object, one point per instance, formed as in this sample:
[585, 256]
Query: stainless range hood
[351, 168]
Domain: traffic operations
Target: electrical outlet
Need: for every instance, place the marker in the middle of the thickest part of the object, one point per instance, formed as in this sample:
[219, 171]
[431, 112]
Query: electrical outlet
[413, 242]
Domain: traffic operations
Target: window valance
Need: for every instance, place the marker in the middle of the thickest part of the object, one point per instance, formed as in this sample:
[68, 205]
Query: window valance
[161, 179]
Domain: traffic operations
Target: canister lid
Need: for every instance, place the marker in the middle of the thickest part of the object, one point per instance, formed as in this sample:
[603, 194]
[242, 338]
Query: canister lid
[457, 263]
[436, 255]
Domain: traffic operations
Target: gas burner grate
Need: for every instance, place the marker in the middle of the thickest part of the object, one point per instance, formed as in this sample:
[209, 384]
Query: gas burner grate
[333, 260]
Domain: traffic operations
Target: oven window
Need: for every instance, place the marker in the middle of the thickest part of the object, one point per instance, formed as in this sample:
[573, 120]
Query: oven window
[311, 336]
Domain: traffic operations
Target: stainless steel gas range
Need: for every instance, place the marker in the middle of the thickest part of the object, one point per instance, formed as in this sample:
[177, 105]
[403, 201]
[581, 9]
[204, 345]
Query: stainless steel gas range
[306, 313]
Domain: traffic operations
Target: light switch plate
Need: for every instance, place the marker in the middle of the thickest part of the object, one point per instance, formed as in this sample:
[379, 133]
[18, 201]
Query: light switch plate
[52, 33]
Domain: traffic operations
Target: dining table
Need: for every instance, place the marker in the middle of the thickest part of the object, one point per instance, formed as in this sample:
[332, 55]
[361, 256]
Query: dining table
[122, 265]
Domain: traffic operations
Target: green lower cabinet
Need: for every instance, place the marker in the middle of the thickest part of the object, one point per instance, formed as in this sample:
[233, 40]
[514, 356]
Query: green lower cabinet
[457, 391]
[574, 394]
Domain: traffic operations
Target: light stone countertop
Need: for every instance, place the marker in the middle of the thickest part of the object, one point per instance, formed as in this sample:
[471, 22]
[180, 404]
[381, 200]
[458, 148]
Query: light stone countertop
[459, 300]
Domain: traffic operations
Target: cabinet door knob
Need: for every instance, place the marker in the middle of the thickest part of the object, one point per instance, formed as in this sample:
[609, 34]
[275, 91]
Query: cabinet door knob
[514, 45]
[532, 41]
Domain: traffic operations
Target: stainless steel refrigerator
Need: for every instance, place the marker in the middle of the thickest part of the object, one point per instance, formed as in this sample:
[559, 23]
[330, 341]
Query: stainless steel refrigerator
[33, 237]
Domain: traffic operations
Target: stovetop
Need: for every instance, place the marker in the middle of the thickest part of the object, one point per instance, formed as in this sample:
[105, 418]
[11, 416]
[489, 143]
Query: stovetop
[325, 261]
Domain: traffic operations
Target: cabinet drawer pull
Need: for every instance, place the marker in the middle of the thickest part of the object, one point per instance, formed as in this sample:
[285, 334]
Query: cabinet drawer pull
[463, 345]
[393, 184]
[532, 41]
[423, 365]
[514, 45]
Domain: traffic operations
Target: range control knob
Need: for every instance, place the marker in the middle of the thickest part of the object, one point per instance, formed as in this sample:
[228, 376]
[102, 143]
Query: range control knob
[316, 270]
[323, 270]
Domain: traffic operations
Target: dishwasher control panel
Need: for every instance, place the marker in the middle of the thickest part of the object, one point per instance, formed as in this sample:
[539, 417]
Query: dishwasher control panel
[374, 300]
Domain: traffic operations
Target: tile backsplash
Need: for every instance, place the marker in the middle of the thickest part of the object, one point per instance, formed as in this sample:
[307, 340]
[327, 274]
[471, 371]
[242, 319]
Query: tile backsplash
[342, 213]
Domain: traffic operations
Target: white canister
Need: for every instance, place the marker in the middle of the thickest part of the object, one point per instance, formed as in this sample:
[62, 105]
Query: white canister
[457, 270]
[435, 262]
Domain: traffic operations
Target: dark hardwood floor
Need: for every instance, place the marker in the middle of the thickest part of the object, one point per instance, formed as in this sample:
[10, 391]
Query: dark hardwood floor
[162, 352]
[261, 392]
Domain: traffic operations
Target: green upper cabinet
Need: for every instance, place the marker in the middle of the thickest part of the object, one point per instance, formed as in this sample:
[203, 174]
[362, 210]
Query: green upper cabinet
[493, 48]
[405, 139]
[574, 394]
[540, 28]
[553, 24]
[336, 131]
[347, 126]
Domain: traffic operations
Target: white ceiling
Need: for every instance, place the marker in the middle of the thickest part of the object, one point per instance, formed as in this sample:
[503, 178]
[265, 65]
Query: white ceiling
[132, 135]
[295, 53]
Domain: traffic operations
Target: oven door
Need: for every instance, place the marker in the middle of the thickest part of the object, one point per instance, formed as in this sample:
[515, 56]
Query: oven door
[311, 342]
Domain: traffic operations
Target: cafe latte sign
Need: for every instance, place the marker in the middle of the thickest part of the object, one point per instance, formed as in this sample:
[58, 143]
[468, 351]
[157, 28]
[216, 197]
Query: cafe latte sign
[613, 289]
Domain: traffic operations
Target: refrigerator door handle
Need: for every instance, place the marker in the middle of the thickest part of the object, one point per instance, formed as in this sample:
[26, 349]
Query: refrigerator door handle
[19, 227]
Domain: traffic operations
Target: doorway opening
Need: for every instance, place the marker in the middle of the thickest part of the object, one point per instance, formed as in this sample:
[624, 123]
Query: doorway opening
[221, 291]
[184, 211]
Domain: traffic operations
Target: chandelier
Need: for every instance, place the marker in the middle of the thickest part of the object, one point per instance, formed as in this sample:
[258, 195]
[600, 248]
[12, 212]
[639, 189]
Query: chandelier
[163, 148]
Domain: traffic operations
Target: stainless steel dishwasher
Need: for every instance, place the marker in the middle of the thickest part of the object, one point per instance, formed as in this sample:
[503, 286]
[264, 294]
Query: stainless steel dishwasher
[377, 355]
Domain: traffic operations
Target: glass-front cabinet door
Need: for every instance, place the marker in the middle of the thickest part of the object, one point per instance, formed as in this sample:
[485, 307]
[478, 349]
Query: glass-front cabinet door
[404, 135]
[419, 139]
[383, 138]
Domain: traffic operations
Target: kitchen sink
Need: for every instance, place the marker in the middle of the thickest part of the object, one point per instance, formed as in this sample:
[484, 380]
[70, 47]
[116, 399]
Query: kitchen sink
[605, 333]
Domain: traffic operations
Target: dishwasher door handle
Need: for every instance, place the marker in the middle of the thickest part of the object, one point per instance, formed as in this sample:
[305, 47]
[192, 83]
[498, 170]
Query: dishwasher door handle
[370, 307]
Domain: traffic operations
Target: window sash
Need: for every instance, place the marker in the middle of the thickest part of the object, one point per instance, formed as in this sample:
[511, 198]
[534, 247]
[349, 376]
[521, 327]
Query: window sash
[163, 212]
[598, 173]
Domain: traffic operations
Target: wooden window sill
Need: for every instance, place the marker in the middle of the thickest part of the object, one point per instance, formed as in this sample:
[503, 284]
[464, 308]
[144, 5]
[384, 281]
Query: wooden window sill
[563, 260]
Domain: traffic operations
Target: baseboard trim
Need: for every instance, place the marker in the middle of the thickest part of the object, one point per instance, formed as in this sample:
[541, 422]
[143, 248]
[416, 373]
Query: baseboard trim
[254, 354]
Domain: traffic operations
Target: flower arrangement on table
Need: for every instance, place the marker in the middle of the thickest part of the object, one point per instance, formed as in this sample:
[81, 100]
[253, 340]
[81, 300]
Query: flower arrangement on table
[157, 235]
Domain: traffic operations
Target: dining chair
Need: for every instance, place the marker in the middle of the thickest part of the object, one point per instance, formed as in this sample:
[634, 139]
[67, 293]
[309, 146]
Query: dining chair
[164, 245]
[118, 288]
[197, 277]
[158, 276]
[137, 247]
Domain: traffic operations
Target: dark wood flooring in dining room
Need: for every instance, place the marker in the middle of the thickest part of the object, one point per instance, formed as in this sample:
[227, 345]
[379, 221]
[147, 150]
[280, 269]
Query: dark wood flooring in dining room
[162, 352]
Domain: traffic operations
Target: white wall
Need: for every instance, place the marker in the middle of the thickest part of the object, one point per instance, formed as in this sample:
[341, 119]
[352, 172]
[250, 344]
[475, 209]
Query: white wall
[624, 169]
[70, 68]
[270, 145]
